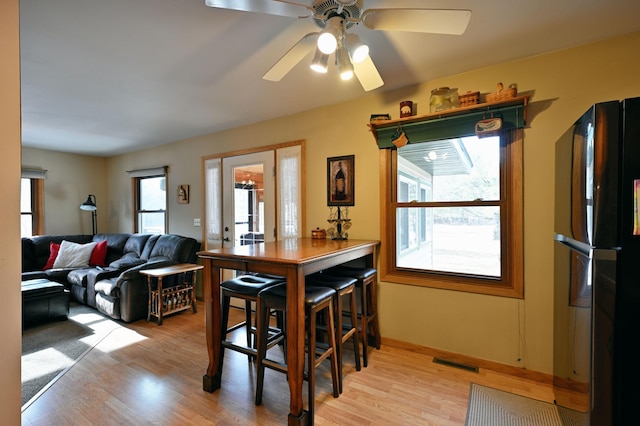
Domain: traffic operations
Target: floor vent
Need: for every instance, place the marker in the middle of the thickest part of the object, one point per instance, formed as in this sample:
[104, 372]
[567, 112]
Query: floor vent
[456, 364]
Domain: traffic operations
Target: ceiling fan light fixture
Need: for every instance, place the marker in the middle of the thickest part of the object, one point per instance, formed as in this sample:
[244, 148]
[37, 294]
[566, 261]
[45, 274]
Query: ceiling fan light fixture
[328, 40]
[327, 43]
[357, 49]
[344, 64]
[320, 62]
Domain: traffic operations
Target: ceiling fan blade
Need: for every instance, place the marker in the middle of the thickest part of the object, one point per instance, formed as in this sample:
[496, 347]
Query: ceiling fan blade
[367, 74]
[290, 9]
[290, 59]
[438, 21]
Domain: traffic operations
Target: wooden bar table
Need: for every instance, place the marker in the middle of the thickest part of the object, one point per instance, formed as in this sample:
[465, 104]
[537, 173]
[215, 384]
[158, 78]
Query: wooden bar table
[293, 259]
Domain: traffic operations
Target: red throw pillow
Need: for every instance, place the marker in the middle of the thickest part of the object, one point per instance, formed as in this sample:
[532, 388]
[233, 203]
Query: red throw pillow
[99, 254]
[54, 248]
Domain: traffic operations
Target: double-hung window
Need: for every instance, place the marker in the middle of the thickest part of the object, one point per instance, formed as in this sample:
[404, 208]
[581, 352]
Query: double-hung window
[150, 200]
[32, 203]
[452, 215]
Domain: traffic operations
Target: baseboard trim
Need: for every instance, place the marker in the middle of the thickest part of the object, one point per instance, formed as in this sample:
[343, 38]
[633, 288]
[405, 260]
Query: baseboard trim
[451, 357]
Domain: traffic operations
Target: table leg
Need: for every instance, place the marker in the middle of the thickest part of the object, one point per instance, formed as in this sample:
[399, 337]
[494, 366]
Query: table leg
[150, 298]
[160, 301]
[211, 284]
[295, 346]
[193, 291]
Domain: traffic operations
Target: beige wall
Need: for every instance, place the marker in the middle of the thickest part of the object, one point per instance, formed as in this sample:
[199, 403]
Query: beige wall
[10, 314]
[562, 84]
[70, 179]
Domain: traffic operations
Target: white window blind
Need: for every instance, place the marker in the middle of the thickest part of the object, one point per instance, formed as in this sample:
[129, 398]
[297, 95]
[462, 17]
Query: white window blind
[154, 171]
[34, 173]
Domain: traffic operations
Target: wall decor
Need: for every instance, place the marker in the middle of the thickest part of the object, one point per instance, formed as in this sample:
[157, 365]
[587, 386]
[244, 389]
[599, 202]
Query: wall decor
[341, 181]
[183, 194]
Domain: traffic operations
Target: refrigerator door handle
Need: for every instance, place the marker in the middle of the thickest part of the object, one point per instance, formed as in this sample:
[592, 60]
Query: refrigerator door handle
[576, 245]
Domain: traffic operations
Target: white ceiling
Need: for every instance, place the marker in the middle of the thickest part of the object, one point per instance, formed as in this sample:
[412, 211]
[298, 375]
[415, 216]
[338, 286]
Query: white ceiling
[104, 77]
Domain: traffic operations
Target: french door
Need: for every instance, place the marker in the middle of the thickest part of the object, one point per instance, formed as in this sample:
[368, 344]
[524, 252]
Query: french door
[248, 199]
[253, 197]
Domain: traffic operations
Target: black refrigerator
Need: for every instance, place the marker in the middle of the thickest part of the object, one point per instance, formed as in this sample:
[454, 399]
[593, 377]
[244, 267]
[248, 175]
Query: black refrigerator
[597, 265]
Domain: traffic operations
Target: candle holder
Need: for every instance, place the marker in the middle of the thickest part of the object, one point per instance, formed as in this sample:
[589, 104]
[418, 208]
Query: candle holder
[340, 223]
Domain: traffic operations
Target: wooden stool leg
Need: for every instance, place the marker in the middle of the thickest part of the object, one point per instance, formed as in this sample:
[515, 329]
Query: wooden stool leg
[311, 359]
[353, 315]
[251, 340]
[373, 308]
[363, 323]
[226, 301]
[333, 358]
[337, 315]
[262, 324]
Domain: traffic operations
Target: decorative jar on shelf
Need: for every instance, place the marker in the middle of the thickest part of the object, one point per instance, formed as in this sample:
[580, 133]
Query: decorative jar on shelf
[442, 99]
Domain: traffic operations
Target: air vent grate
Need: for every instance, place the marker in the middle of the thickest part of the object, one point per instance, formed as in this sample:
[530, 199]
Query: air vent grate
[455, 364]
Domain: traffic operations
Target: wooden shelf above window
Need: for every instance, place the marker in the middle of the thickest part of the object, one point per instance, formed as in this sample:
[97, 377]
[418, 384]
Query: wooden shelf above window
[376, 125]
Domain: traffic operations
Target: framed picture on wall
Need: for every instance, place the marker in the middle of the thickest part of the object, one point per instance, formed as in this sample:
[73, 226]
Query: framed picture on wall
[341, 181]
[183, 194]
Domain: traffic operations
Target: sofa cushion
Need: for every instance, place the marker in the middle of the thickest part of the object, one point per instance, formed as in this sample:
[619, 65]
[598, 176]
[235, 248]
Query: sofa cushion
[78, 277]
[175, 248]
[99, 254]
[107, 286]
[115, 245]
[73, 255]
[54, 248]
[41, 247]
[28, 256]
[148, 247]
[126, 262]
[136, 244]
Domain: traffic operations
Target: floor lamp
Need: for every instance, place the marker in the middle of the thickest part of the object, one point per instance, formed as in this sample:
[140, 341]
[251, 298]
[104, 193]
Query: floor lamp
[90, 205]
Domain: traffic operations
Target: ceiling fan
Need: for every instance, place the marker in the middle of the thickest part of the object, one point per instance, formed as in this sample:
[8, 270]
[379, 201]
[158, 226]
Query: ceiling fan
[334, 18]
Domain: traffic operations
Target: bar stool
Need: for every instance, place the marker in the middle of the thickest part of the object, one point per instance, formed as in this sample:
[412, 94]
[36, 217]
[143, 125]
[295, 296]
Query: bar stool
[247, 288]
[317, 300]
[367, 280]
[343, 286]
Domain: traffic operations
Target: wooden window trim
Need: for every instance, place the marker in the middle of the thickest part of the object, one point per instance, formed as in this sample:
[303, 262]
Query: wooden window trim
[135, 202]
[512, 284]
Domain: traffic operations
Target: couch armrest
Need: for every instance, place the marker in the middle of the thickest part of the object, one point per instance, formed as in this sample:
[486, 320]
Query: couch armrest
[134, 273]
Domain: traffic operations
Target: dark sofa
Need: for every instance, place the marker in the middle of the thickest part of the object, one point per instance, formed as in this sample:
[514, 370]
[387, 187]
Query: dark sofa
[117, 289]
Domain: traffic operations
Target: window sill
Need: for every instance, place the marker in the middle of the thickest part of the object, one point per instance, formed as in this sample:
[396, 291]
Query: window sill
[450, 283]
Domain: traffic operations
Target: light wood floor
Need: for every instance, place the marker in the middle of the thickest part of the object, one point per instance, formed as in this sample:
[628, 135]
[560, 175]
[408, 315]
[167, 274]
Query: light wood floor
[145, 374]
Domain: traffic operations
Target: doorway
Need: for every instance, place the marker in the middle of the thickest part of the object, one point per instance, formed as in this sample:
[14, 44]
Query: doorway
[249, 194]
[248, 199]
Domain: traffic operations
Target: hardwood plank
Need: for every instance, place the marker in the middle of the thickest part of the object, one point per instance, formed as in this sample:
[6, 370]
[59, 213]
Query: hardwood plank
[150, 374]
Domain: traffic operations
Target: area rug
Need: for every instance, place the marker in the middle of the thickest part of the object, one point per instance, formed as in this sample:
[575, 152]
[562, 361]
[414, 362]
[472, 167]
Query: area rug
[492, 407]
[51, 348]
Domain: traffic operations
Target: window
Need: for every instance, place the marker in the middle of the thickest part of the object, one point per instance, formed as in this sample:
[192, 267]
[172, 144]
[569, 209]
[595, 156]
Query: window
[454, 215]
[150, 199]
[32, 203]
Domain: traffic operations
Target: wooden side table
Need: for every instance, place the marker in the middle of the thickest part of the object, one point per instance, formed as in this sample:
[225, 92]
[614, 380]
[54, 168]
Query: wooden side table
[173, 299]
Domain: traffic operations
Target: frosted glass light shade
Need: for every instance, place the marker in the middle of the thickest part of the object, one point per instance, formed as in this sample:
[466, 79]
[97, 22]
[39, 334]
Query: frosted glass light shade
[327, 43]
[357, 49]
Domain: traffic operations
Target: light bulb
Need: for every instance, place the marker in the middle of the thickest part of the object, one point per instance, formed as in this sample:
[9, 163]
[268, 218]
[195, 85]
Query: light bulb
[319, 62]
[328, 40]
[327, 43]
[344, 64]
[357, 49]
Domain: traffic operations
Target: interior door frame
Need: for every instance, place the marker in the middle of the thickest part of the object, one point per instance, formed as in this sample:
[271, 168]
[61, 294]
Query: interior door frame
[206, 245]
[229, 164]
